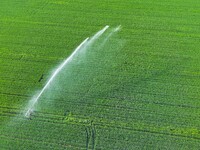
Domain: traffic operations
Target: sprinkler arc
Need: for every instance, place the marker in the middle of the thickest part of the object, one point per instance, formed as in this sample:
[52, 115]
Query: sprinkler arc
[84, 44]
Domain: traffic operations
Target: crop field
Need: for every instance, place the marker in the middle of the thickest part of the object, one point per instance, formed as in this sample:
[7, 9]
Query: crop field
[134, 84]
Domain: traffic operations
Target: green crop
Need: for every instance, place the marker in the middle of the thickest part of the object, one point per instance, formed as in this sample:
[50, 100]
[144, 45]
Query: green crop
[137, 88]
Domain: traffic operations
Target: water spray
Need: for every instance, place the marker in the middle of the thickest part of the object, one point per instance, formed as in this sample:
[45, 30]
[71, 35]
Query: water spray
[83, 45]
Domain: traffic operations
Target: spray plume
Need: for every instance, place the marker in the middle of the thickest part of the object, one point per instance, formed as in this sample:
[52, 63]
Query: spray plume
[83, 45]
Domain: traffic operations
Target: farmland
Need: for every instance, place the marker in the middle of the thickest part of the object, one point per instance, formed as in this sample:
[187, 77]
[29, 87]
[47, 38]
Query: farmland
[137, 88]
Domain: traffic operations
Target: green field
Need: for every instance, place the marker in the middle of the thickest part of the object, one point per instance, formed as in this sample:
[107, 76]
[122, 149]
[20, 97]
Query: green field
[138, 88]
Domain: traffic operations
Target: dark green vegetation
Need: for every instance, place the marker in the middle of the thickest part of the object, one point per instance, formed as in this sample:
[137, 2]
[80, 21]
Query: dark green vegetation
[139, 91]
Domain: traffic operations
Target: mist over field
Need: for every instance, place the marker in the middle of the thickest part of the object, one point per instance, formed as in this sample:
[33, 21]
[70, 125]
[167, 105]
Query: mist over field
[97, 75]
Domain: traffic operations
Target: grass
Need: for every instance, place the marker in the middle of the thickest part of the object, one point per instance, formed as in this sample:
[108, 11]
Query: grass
[139, 91]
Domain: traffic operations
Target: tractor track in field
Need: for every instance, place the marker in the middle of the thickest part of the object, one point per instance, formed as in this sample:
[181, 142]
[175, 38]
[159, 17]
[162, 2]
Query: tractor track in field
[58, 119]
[110, 107]
[135, 100]
[14, 94]
[111, 139]
[25, 60]
[10, 111]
